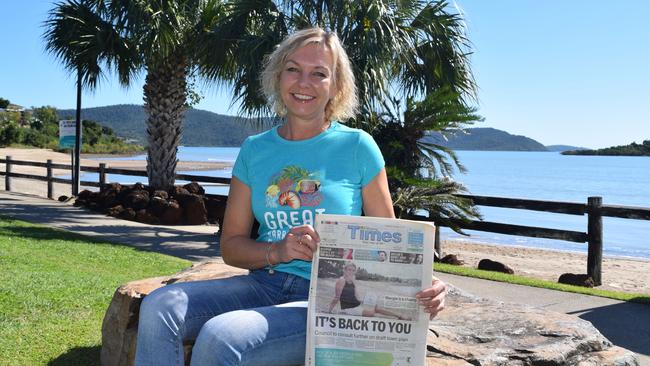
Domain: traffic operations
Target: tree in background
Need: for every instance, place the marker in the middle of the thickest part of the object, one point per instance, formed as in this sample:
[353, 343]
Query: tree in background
[4, 103]
[163, 39]
[10, 132]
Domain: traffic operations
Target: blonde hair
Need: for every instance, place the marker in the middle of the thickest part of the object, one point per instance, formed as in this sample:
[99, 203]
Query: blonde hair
[344, 104]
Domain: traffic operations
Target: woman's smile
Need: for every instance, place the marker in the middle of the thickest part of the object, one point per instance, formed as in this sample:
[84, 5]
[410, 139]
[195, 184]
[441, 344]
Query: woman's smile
[303, 97]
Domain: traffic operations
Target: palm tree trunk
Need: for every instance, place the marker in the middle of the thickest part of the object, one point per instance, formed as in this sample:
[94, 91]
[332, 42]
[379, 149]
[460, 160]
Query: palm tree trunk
[165, 92]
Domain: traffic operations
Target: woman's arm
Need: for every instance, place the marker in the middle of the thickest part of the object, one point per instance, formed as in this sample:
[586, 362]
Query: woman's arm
[377, 202]
[376, 197]
[337, 294]
[239, 250]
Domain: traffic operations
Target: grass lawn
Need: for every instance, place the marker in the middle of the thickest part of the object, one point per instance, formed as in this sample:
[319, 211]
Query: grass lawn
[54, 290]
[533, 282]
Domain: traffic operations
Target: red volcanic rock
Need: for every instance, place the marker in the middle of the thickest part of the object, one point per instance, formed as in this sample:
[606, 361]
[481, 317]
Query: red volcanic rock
[108, 197]
[194, 210]
[160, 194]
[137, 199]
[216, 207]
[173, 214]
[115, 211]
[128, 214]
[490, 265]
[146, 217]
[194, 188]
[452, 259]
[178, 190]
[576, 279]
[174, 207]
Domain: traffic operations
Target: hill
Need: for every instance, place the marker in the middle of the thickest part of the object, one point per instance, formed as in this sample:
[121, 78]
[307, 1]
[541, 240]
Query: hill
[201, 128]
[632, 149]
[486, 139]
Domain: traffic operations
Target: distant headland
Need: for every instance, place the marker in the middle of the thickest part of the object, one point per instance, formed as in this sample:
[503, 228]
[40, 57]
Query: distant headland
[491, 139]
[632, 149]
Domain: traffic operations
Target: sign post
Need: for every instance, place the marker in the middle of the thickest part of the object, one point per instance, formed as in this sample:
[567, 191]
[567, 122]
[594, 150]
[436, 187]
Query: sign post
[67, 140]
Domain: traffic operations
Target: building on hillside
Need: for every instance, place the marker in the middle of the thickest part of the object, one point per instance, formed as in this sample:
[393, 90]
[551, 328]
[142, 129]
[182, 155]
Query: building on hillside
[23, 115]
[15, 108]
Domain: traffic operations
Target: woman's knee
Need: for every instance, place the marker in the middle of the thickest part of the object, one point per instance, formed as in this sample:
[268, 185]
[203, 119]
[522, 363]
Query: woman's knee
[163, 305]
[226, 339]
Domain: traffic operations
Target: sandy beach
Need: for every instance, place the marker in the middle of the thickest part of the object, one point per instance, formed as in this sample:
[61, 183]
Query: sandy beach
[619, 274]
[630, 275]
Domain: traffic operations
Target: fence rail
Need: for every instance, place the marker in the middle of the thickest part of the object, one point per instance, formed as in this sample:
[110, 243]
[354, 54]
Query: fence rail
[593, 208]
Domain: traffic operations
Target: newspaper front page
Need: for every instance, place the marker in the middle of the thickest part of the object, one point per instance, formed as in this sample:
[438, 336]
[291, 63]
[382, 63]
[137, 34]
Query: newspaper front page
[362, 305]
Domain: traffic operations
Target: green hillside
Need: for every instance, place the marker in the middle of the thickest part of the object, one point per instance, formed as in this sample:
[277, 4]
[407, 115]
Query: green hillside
[39, 127]
[632, 149]
[201, 128]
[486, 139]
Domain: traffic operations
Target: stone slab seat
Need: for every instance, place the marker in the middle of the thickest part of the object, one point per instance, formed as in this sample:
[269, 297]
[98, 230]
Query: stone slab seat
[470, 331]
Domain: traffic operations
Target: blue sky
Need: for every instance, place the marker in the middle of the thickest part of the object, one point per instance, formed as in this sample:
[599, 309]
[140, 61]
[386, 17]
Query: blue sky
[562, 72]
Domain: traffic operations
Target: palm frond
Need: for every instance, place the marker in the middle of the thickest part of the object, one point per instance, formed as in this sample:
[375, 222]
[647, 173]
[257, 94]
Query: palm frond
[438, 200]
[79, 34]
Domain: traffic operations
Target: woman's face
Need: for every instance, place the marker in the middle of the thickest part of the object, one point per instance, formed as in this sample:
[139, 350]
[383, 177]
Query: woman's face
[307, 84]
[349, 272]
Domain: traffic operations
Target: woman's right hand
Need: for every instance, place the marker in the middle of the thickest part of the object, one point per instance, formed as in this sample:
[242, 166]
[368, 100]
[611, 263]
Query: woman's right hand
[300, 243]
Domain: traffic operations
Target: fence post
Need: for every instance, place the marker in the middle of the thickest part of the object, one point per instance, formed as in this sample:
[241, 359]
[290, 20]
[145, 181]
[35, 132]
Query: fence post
[50, 184]
[102, 176]
[436, 244]
[8, 172]
[595, 239]
[437, 247]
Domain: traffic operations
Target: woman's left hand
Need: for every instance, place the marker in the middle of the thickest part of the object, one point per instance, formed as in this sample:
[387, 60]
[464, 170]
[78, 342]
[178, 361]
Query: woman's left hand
[432, 299]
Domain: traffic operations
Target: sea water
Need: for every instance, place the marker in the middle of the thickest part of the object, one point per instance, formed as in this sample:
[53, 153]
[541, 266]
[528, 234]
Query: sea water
[619, 180]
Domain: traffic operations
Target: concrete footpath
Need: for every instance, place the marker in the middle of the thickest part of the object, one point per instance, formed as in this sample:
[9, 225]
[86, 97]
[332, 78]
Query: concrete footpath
[625, 324]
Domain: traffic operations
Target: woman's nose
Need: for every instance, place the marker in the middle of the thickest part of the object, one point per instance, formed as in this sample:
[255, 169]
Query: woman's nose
[304, 78]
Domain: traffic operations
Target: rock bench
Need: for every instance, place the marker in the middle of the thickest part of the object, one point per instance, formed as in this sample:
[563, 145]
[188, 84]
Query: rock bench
[470, 331]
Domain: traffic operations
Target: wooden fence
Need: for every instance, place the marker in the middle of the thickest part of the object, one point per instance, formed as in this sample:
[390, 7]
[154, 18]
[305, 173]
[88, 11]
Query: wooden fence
[593, 208]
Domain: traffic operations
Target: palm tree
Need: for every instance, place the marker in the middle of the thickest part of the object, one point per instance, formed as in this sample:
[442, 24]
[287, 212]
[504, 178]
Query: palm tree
[161, 38]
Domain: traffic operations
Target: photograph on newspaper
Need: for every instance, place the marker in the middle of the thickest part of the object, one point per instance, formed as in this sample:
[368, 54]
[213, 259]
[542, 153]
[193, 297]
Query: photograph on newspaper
[362, 305]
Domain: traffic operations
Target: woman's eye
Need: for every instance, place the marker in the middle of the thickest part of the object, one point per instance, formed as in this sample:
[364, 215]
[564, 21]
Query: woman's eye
[320, 74]
[292, 69]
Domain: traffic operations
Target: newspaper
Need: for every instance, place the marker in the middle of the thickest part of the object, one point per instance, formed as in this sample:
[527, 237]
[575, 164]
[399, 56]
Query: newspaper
[362, 306]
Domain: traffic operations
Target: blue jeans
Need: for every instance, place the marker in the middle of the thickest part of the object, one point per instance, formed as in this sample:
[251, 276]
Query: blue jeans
[254, 319]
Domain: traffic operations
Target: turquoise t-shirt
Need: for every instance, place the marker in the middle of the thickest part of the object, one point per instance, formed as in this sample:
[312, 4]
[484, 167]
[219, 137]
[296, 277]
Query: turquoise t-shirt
[291, 181]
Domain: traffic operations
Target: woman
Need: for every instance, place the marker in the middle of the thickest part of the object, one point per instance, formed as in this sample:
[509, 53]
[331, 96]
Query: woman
[347, 295]
[260, 318]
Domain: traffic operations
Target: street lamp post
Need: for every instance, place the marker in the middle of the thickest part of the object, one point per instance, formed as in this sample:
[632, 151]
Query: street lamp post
[77, 142]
